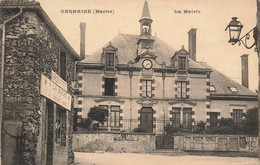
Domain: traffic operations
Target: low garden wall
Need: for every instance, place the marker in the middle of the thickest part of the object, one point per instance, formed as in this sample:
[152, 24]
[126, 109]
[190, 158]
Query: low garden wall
[201, 142]
[113, 142]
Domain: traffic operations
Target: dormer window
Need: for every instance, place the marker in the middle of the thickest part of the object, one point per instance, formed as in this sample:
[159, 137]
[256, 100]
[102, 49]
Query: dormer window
[110, 59]
[182, 63]
[233, 89]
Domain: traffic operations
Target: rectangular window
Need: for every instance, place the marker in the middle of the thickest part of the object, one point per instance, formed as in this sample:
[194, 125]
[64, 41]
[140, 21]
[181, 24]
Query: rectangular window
[80, 102]
[109, 86]
[182, 63]
[106, 120]
[213, 119]
[147, 88]
[182, 89]
[115, 116]
[63, 64]
[109, 59]
[187, 113]
[176, 114]
[237, 116]
[80, 85]
[80, 77]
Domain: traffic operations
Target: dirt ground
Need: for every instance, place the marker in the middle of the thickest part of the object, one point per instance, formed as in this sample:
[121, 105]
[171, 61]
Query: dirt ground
[103, 158]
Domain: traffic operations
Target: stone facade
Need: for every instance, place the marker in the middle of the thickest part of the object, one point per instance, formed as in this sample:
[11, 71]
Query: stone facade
[33, 48]
[153, 83]
[113, 142]
[240, 143]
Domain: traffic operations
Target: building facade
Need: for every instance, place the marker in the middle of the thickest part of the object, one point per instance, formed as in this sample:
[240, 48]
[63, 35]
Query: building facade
[143, 83]
[37, 75]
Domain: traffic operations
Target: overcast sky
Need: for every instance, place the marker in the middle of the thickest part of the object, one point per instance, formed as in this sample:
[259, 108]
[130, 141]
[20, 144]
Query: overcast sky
[214, 16]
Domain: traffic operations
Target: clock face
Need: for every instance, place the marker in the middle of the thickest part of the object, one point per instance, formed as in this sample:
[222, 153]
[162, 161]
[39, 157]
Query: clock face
[147, 64]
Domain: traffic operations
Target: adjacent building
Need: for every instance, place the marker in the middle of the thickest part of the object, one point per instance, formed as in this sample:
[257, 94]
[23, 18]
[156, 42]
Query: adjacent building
[37, 78]
[143, 83]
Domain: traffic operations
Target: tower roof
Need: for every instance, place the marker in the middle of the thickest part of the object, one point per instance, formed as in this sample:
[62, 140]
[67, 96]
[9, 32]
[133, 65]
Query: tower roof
[146, 12]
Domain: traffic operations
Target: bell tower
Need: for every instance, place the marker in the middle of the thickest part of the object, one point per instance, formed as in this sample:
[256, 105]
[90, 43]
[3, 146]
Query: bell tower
[145, 41]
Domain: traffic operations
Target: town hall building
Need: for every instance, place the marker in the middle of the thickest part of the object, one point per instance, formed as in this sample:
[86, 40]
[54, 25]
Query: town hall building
[143, 82]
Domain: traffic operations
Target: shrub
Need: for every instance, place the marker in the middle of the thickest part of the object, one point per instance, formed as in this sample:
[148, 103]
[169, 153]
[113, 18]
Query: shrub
[251, 122]
[200, 127]
[98, 114]
[140, 129]
[170, 130]
[85, 123]
[224, 122]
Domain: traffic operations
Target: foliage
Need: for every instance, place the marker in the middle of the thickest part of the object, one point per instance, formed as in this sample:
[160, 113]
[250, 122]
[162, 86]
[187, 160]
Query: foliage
[225, 122]
[200, 127]
[140, 129]
[251, 122]
[170, 130]
[98, 114]
[85, 123]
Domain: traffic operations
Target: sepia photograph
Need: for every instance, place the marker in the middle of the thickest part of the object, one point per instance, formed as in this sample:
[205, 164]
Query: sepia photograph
[143, 82]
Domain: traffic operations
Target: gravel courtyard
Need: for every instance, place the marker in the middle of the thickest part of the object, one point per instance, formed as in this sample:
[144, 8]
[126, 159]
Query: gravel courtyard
[147, 159]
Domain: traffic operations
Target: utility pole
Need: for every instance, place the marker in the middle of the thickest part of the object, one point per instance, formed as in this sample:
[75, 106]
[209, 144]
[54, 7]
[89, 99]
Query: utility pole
[258, 54]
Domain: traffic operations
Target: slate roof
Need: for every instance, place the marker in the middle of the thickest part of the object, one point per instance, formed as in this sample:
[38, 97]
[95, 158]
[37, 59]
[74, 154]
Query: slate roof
[127, 45]
[222, 83]
[146, 12]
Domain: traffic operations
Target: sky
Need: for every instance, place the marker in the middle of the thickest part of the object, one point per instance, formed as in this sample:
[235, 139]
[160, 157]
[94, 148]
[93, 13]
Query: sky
[210, 20]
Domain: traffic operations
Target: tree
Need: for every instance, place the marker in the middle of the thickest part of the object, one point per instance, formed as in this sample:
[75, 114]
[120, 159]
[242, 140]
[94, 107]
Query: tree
[98, 114]
[251, 122]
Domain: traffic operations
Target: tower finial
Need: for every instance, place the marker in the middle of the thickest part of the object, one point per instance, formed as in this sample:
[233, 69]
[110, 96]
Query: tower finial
[146, 12]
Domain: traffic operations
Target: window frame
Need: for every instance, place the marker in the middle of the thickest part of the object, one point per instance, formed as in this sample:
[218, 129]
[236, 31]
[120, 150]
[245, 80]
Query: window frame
[182, 63]
[110, 59]
[212, 88]
[147, 88]
[63, 65]
[215, 114]
[107, 87]
[181, 90]
[176, 117]
[233, 89]
[237, 116]
[114, 119]
[187, 118]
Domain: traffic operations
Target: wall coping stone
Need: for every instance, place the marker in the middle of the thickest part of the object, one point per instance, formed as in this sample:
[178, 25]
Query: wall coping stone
[212, 135]
[113, 132]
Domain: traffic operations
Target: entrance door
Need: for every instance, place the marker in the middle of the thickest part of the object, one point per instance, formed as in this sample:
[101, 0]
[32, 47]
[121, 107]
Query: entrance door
[147, 119]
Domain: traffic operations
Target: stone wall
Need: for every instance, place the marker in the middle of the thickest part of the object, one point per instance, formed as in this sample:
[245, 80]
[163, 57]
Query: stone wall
[215, 143]
[31, 50]
[113, 142]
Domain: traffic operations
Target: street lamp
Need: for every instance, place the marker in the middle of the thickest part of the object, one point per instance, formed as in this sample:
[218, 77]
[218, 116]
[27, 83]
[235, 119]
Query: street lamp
[235, 28]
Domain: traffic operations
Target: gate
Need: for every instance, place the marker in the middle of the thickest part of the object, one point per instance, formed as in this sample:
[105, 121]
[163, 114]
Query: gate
[165, 140]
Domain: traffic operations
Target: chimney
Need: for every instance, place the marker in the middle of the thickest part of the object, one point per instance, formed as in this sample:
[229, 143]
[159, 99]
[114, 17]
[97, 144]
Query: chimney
[244, 62]
[192, 43]
[82, 39]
